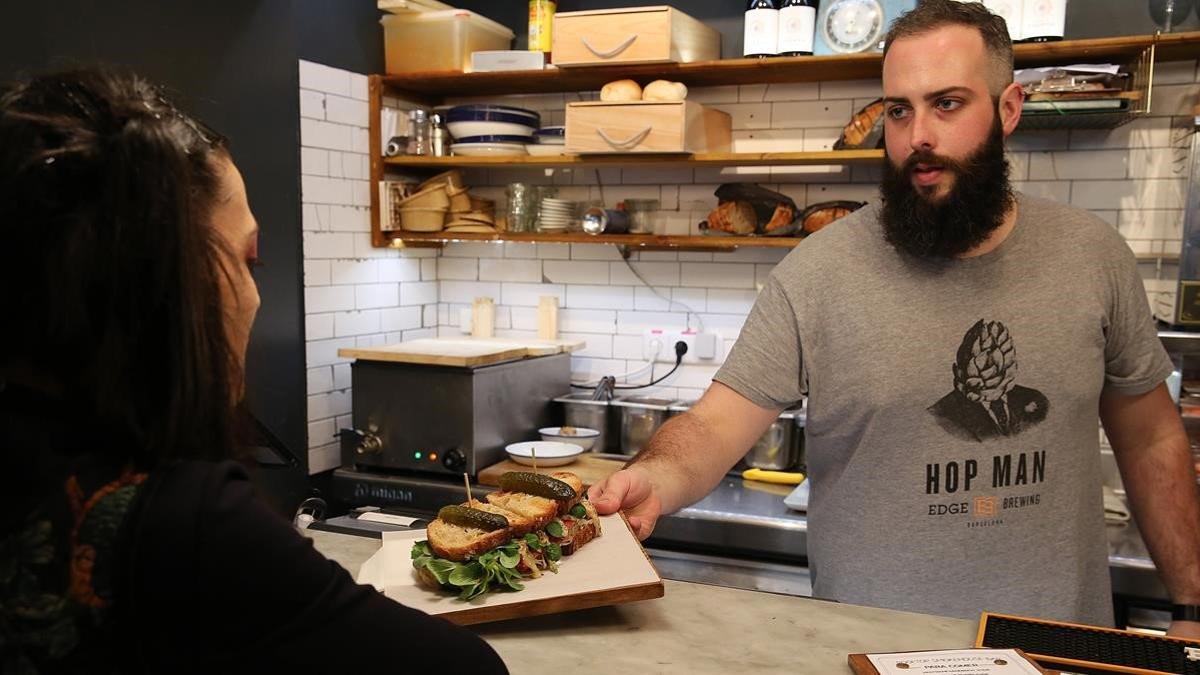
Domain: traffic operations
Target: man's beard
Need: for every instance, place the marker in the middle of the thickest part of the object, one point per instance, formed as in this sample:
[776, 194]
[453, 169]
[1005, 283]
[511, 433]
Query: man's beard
[917, 222]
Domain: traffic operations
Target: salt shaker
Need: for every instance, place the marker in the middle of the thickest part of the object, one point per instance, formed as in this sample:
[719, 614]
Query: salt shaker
[437, 136]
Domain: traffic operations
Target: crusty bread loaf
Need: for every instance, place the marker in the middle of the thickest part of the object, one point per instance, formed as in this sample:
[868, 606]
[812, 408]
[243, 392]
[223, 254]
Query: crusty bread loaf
[580, 532]
[664, 90]
[518, 524]
[576, 484]
[455, 542]
[621, 91]
[525, 513]
[539, 510]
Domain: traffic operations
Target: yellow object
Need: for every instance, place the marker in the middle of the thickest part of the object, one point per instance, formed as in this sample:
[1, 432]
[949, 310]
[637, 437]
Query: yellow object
[780, 477]
[541, 25]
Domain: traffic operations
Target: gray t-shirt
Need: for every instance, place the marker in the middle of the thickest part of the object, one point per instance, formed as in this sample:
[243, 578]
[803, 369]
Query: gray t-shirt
[947, 480]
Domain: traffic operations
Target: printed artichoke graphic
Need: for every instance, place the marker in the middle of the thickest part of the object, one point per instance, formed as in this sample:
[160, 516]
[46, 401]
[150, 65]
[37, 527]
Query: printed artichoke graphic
[986, 368]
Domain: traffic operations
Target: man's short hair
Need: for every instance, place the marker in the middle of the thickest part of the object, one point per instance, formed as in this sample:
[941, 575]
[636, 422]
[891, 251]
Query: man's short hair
[933, 14]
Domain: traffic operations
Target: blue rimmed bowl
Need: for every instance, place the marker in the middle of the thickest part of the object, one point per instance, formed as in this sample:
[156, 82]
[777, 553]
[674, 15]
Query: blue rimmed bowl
[551, 135]
[494, 139]
[491, 120]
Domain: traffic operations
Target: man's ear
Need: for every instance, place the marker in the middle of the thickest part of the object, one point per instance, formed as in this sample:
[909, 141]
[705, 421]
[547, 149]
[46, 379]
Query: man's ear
[1009, 107]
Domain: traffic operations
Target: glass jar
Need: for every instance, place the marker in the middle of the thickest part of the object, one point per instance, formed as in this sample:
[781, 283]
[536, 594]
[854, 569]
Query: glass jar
[522, 207]
[642, 214]
[419, 131]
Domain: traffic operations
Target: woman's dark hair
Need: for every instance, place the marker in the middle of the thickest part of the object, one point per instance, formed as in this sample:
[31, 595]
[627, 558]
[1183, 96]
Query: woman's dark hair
[110, 265]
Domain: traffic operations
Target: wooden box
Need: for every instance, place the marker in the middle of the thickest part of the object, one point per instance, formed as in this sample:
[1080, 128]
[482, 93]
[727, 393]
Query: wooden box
[598, 127]
[658, 34]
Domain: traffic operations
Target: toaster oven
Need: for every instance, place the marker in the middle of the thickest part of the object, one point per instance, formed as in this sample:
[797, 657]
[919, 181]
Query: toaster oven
[448, 420]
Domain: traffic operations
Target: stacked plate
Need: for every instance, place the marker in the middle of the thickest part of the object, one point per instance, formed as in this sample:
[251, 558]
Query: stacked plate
[496, 145]
[548, 141]
[555, 215]
[491, 130]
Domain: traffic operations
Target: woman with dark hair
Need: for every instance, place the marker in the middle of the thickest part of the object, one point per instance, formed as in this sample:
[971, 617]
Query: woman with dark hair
[130, 541]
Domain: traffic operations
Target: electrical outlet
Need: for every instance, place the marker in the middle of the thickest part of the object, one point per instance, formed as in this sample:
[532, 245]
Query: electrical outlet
[661, 341]
[654, 343]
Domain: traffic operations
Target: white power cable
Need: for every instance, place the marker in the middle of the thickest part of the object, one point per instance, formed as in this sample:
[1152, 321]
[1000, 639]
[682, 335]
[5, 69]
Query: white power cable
[657, 345]
[690, 312]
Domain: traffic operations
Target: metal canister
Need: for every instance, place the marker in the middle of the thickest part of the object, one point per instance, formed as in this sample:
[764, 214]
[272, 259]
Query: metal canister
[776, 450]
[437, 136]
[605, 221]
[541, 25]
[581, 410]
[641, 416]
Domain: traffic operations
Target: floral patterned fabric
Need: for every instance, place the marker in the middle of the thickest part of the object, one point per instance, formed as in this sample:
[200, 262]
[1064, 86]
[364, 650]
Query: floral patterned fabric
[57, 578]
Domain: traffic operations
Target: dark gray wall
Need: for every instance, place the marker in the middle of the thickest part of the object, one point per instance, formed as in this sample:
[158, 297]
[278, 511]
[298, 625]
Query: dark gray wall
[340, 33]
[232, 64]
[1085, 18]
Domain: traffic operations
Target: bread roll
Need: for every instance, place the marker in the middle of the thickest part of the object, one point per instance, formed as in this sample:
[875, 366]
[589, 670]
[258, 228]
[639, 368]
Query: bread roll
[621, 90]
[663, 90]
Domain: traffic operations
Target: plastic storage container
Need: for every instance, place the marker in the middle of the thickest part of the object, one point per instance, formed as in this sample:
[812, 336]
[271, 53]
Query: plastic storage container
[432, 41]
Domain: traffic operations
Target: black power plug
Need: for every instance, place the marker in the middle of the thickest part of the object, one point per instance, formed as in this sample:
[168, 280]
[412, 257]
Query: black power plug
[680, 349]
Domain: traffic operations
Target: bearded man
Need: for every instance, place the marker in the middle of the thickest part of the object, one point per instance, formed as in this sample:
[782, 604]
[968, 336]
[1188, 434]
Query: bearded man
[987, 498]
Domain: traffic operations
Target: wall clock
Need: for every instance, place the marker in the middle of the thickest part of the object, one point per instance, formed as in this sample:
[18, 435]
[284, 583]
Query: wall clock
[848, 26]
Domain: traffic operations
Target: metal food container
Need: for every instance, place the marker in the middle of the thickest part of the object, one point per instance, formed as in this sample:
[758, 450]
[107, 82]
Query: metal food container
[679, 408]
[801, 419]
[580, 410]
[776, 449]
[641, 416]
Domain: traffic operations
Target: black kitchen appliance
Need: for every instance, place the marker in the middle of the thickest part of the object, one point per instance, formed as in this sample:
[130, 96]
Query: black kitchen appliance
[447, 420]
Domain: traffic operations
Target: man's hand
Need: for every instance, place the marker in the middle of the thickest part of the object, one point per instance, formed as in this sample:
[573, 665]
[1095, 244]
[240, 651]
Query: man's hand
[628, 490]
[1185, 629]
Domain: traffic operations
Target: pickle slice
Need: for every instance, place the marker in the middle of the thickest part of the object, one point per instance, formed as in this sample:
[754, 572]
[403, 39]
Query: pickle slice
[467, 516]
[536, 484]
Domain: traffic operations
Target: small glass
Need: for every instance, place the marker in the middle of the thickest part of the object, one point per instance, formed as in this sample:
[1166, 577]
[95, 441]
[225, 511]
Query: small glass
[522, 207]
[642, 214]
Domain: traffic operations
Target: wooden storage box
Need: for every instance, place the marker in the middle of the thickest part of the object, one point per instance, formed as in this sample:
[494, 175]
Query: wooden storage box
[598, 127]
[657, 34]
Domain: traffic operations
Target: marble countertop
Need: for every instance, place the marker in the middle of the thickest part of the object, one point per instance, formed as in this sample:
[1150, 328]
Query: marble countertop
[696, 628]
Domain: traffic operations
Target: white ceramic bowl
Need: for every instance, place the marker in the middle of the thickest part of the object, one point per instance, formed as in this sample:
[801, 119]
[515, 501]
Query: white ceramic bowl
[487, 149]
[469, 128]
[549, 453]
[583, 437]
[545, 149]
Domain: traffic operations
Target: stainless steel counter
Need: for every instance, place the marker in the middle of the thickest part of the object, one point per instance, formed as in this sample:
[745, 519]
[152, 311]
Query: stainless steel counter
[749, 521]
[743, 536]
[739, 517]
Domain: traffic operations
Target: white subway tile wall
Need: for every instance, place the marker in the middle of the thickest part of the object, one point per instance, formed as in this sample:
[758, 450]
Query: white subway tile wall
[1133, 176]
[354, 294]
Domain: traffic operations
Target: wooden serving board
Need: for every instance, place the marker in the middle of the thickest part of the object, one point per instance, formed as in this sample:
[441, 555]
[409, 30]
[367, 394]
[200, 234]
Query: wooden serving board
[589, 468]
[609, 570]
[463, 352]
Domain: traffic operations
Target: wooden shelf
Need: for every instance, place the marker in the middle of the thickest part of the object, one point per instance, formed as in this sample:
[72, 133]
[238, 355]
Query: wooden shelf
[702, 159]
[638, 241]
[434, 86]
